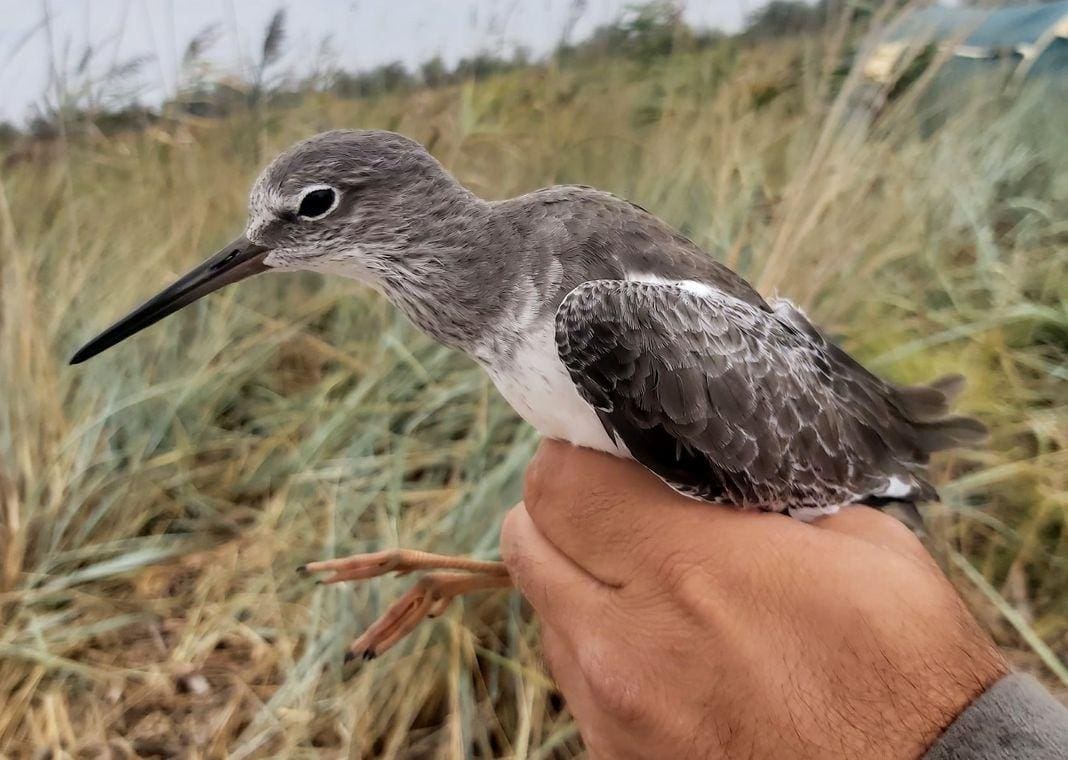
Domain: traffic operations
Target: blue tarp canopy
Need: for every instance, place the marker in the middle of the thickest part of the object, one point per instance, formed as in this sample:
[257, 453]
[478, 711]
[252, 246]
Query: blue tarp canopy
[1036, 36]
[985, 29]
[1024, 25]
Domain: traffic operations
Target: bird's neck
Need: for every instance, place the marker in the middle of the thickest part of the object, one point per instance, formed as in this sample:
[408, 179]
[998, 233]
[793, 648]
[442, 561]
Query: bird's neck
[456, 278]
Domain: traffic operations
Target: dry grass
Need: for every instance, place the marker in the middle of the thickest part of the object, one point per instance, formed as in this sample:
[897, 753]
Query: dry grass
[156, 500]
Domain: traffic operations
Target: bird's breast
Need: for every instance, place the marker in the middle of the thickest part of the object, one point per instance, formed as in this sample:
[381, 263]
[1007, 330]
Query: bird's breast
[536, 384]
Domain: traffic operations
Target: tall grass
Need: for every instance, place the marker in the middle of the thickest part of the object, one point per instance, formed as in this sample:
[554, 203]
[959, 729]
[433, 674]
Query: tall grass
[156, 501]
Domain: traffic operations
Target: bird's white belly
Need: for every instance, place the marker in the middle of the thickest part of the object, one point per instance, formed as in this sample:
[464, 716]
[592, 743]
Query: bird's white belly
[537, 385]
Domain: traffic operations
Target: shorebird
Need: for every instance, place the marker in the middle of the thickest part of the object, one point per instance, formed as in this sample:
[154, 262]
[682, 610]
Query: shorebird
[599, 324]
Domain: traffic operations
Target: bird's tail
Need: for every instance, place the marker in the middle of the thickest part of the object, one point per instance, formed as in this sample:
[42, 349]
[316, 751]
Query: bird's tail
[918, 420]
[926, 412]
[927, 407]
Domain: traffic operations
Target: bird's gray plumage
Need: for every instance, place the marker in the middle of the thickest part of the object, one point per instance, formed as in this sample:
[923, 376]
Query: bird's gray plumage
[599, 323]
[689, 370]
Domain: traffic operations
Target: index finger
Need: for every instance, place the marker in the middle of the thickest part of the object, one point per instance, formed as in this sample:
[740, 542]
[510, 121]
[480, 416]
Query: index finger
[878, 528]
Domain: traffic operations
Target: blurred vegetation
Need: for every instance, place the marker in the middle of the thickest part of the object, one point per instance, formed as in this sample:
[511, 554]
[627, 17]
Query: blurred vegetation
[155, 502]
[80, 100]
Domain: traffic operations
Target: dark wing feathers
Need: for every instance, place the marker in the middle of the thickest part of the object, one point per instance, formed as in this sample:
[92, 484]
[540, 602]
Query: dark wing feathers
[728, 401]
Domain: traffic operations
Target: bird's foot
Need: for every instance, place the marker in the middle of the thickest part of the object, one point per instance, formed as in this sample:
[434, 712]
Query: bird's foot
[400, 561]
[429, 597]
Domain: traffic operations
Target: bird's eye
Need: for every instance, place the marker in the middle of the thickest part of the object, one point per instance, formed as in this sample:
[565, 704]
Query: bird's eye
[317, 202]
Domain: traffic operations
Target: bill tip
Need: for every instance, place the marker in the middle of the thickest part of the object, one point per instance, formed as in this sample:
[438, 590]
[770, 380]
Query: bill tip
[88, 351]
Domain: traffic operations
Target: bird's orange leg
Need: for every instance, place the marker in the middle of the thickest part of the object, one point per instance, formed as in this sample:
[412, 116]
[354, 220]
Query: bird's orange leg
[400, 561]
[429, 597]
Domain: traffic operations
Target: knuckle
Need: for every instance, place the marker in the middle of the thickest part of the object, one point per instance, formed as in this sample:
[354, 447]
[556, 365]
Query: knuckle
[701, 601]
[885, 523]
[533, 481]
[672, 569]
[541, 482]
[561, 481]
[686, 569]
[510, 532]
[876, 526]
[522, 572]
[904, 536]
[700, 595]
[513, 552]
[898, 534]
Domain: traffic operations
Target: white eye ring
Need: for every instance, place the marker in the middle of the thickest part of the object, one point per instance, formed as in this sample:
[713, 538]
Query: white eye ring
[315, 188]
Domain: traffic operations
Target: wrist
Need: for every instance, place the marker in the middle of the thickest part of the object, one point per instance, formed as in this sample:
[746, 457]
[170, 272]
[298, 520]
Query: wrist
[913, 701]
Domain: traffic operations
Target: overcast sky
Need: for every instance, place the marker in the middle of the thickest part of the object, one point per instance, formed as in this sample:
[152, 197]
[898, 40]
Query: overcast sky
[361, 33]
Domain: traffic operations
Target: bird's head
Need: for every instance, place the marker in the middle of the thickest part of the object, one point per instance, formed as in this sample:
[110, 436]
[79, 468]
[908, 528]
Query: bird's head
[359, 203]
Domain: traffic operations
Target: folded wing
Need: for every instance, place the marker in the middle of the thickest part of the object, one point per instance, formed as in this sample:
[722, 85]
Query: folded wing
[730, 402]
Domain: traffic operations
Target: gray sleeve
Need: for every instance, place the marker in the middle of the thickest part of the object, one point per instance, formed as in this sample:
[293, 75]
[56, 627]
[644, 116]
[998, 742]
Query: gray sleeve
[1015, 719]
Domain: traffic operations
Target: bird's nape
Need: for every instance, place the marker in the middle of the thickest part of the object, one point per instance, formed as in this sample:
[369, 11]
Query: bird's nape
[234, 262]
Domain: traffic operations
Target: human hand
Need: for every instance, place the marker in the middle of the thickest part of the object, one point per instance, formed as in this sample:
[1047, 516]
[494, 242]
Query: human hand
[681, 629]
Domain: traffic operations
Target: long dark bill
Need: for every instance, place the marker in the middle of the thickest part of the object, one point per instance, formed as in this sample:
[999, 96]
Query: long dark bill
[238, 260]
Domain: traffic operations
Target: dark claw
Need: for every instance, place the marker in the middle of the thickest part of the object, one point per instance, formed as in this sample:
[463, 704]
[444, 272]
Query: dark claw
[369, 655]
[303, 569]
[350, 656]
